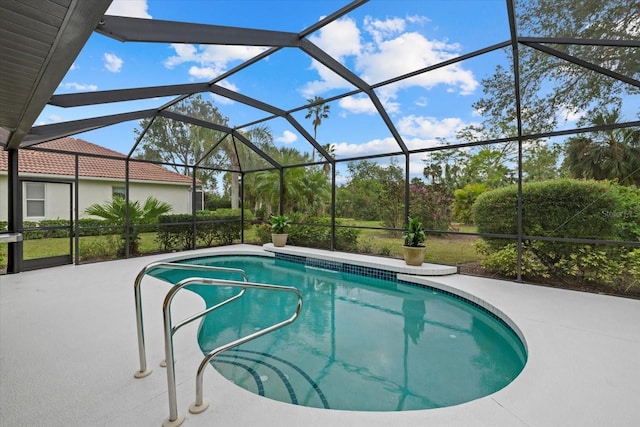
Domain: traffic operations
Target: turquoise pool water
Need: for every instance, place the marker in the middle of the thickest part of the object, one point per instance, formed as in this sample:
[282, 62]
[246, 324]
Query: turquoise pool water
[360, 343]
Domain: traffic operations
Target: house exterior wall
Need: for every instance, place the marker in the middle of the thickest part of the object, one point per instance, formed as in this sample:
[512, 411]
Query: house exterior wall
[93, 191]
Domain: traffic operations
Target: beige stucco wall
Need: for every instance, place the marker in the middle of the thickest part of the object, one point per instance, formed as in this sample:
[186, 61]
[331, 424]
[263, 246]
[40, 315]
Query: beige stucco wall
[100, 191]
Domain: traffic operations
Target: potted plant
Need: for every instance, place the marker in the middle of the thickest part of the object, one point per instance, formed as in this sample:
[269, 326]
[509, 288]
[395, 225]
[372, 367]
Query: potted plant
[414, 237]
[279, 225]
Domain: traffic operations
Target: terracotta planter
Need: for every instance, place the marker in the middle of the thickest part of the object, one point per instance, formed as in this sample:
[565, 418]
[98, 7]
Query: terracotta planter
[279, 240]
[414, 255]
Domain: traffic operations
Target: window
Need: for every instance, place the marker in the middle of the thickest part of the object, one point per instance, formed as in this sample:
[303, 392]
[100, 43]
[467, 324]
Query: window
[35, 199]
[118, 192]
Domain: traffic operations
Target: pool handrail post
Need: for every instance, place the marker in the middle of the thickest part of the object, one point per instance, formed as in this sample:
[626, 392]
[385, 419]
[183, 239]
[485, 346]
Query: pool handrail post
[200, 405]
[142, 353]
[175, 419]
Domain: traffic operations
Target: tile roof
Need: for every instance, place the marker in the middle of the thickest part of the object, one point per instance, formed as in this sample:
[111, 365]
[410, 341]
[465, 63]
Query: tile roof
[44, 162]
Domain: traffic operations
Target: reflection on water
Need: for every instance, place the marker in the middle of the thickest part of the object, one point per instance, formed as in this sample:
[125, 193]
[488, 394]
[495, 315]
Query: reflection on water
[359, 343]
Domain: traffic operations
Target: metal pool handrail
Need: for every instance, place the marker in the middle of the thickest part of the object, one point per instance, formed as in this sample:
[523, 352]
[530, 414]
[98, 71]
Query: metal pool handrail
[144, 371]
[199, 406]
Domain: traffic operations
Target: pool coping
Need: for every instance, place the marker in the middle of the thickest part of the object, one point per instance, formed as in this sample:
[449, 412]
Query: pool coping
[391, 264]
[581, 369]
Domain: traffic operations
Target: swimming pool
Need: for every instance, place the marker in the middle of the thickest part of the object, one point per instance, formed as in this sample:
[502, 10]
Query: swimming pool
[360, 343]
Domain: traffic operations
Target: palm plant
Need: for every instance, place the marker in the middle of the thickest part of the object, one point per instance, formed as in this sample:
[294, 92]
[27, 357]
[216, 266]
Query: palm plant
[608, 154]
[115, 212]
[318, 111]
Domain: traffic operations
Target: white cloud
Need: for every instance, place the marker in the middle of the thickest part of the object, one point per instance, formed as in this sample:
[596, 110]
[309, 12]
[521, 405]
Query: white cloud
[429, 127]
[112, 62]
[339, 39]
[287, 137]
[417, 132]
[130, 8]
[202, 73]
[79, 87]
[392, 51]
[211, 60]
[73, 67]
[416, 52]
[221, 99]
[381, 30]
[358, 104]
[375, 146]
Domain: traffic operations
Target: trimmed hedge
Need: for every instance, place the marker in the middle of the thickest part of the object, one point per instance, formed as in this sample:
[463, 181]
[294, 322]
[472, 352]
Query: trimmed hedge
[88, 227]
[314, 233]
[564, 208]
[559, 208]
[175, 231]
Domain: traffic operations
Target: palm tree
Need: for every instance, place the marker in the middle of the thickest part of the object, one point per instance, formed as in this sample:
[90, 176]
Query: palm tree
[318, 111]
[612, 154]
[331, 149]
[114, 212]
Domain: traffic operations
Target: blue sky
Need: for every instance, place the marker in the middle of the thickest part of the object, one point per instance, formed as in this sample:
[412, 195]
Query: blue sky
[380, 40]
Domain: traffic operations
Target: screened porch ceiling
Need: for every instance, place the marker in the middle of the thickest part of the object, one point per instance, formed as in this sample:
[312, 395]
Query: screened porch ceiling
[42, 39]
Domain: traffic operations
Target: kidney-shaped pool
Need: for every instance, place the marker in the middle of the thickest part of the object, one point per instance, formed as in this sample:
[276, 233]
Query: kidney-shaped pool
[360, 343]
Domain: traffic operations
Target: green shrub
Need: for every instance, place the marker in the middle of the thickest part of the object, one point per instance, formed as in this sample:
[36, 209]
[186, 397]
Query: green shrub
[566, 209]
[463, 200]
[222, 225]
[314, 233]
[505, 261]
[633, 265]
[558, 208]
[102, 248]
[385, 251]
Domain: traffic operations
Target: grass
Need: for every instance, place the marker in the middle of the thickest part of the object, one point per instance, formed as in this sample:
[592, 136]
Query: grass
[450, 250]
[445, 249]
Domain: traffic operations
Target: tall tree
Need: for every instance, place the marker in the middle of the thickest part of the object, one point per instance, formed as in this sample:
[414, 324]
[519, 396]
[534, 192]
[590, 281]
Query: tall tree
[551, 86]
[242, 158]
[540, 161]
[611, 154]
[182, 144]
[373, 192]
[318, 112]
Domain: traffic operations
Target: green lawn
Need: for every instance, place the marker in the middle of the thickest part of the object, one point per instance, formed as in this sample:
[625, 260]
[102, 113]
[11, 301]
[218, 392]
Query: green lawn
[450, 250]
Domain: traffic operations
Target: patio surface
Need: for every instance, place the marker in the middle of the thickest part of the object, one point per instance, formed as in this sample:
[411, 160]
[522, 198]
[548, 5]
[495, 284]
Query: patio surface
[68, 351]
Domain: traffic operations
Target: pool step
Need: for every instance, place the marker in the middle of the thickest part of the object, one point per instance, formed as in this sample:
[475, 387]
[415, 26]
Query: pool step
[280, 376]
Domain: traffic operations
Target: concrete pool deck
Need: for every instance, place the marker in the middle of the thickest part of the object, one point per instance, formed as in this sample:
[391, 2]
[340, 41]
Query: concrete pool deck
[68, 351]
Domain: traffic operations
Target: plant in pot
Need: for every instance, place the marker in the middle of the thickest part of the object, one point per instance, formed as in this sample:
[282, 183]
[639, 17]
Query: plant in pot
[414, 237]
[279, 225]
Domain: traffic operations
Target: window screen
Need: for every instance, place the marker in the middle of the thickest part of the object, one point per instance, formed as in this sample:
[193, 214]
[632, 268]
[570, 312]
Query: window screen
[35, 199]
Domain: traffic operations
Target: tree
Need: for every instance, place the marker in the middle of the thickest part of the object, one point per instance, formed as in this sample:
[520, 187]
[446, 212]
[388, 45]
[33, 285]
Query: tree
[453, 169]
[243, 158]
[319, 111]
[550, 85]
[182, 144]
[373, 192]
[610, 154]
[540, 161]
[115, 212]
[305, 189]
